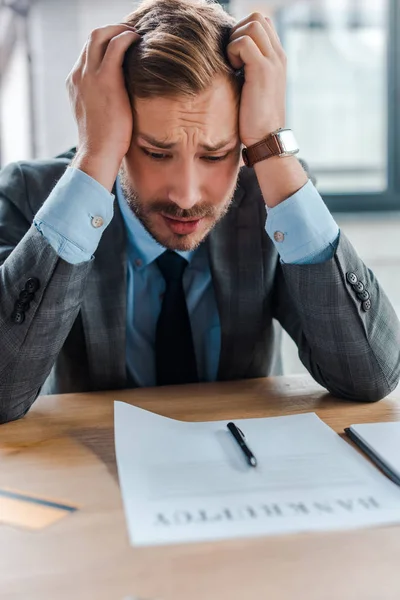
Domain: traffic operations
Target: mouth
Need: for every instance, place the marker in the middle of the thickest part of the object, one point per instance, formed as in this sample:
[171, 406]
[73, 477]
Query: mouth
[182, 226]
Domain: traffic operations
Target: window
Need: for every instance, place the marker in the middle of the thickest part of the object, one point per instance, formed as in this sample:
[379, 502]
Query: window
[342, 77]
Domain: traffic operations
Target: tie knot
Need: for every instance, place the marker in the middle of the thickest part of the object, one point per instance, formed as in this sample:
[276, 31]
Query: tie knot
[171, 265]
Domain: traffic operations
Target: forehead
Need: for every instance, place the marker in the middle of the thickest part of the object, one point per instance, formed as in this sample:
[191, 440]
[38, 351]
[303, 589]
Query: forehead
[213, 113]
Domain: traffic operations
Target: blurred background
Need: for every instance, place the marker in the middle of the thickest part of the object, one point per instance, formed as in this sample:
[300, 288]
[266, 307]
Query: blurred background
[342, 102]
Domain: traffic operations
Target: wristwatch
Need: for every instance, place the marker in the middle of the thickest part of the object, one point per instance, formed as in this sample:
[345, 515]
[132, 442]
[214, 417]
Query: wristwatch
[278, 143]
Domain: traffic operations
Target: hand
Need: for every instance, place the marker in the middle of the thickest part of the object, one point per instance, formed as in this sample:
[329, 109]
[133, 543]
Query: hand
[100, 102]
[255, 45]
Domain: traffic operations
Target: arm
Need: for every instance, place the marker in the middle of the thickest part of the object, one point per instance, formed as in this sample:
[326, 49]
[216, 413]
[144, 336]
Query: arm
[32, 335]
[354, 353]
[29, 345]
[350, 346]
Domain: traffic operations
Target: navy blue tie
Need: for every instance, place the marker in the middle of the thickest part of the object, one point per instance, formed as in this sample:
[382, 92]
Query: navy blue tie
[175, 356]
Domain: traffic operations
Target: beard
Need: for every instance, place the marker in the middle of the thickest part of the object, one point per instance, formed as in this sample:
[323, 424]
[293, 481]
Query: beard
[150, 216]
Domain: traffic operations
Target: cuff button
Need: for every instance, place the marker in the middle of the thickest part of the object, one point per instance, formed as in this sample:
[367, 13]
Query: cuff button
[279, 236]
[97, 222]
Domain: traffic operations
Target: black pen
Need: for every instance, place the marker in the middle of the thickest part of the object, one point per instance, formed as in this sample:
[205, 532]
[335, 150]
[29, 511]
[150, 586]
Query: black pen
[239, 437]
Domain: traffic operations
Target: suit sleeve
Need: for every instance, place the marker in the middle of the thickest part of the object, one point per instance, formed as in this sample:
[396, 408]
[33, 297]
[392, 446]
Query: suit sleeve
[30, 341]
[346, 331]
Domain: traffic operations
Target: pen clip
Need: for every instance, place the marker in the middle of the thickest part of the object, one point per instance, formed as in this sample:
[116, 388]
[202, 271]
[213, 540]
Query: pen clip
[241, 432]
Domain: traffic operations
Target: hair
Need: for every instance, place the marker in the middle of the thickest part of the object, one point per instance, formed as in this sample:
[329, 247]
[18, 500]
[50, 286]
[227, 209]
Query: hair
[182, 50]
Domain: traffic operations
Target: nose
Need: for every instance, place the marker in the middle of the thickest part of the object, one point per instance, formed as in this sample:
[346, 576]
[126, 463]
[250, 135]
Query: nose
[184, 189]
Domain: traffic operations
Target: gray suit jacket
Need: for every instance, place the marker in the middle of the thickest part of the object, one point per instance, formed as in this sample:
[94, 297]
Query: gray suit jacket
[73, 335]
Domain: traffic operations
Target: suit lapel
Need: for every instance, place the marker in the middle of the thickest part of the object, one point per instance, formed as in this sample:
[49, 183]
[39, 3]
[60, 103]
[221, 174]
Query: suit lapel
[104, 308]
[235, 249]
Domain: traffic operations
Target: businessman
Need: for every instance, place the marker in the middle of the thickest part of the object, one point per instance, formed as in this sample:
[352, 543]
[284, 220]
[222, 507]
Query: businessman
[151, 255]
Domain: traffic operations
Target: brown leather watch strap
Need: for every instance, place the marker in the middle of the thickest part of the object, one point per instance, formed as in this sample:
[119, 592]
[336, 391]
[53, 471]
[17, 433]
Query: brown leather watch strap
[270, 146]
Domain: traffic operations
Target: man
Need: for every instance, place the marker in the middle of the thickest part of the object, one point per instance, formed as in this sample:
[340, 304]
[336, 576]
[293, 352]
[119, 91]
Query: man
[180, 278]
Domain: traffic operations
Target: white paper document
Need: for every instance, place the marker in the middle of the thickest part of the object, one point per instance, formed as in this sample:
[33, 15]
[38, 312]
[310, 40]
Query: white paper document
[186, 482]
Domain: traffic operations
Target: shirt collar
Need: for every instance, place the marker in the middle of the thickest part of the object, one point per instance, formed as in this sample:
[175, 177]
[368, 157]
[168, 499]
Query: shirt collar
[143, 247]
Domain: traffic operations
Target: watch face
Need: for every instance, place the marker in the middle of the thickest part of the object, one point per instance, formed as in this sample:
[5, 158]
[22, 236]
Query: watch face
[288, 141]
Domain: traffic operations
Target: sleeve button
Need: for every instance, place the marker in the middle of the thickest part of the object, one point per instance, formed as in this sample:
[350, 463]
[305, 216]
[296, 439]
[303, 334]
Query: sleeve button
[21, 306]
[364, 295]
[18, 317]
[359, 287]
[366, 305]
[352, 278]
[26, 297]
[32, 285]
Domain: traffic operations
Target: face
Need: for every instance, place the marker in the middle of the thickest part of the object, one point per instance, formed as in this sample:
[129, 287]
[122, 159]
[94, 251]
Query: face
[181, 170]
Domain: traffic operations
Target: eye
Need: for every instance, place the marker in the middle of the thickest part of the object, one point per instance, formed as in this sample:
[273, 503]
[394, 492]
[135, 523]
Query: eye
[154, 155]
[158, 156]
[215, 158]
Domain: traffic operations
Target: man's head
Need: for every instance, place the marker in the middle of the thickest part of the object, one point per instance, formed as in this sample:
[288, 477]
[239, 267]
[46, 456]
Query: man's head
[180, 172]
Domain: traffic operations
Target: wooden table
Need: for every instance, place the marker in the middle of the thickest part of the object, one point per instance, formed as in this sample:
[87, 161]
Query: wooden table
[64, 449]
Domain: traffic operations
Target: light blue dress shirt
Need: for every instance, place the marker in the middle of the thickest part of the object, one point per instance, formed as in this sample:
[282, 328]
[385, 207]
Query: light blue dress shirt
[69, 220]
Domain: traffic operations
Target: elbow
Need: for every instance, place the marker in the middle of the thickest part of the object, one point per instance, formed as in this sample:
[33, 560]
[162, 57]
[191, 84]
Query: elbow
[361, 385]
[383, 383]
[373, 394]
[10, 410]
[389, 380]
[394, 378]
[7, 415]
[369, 391]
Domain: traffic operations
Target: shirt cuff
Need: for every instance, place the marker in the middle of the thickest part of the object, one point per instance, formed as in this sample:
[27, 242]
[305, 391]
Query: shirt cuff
[75, 215]
[302, 228]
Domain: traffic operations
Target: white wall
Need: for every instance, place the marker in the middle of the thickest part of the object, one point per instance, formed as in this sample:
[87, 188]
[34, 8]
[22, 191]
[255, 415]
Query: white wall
[54, 33]
[59, 31]
[104, 13]
[14, 108]
[242, 8]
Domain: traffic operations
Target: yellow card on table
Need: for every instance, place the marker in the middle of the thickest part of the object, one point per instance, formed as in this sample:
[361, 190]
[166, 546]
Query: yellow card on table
[31, 512]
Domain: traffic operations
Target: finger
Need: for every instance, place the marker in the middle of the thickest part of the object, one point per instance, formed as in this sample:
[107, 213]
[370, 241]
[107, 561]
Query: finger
[115, 53]
[255, 16]
[243, 51]
[267, 25]
[76, 72]
[258, 33]
[274, 37]
[98, 43]
[80, 63]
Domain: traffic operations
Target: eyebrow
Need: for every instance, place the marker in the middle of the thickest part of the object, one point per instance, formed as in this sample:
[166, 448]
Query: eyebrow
[167, 146]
